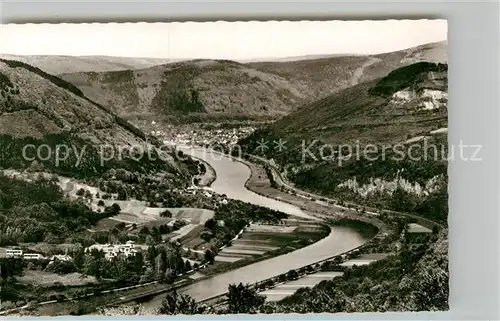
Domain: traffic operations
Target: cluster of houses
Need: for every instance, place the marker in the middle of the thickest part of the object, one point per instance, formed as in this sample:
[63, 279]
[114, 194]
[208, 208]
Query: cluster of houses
[202, 137]
[35, 256]
[110, 251]
[114, 250]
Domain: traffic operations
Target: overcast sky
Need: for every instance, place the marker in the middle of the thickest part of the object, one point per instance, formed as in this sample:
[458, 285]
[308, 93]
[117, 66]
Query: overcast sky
[221, 40]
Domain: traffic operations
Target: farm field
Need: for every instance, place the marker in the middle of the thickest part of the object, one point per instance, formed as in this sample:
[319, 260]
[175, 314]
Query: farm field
[41, 278]
[143, 216]
[261, 240]
[365, 259]
[283, 290]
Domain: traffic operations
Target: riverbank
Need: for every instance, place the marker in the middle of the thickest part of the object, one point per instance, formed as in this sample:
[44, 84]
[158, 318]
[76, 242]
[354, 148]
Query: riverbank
[284, 242]
[232, 176]
[308, 269]
[239, 173]
[259, 183]
[289, 187]
[207, 178]
[235, 181]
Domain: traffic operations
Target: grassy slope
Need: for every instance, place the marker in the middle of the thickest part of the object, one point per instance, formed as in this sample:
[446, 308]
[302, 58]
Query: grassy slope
[365, 114]
[218, 87]
[38, 108]
[361, 113]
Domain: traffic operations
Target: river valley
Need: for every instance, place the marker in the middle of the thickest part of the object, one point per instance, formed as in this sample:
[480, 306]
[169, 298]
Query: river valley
[231, 178]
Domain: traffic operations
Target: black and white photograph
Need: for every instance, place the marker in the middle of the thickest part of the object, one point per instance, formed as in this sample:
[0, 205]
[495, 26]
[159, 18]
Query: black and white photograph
[215, 168]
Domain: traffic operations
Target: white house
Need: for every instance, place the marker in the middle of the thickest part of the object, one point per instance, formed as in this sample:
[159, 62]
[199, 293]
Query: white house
[14, 253]
[111, 250]
[65, 258]
[32, 256]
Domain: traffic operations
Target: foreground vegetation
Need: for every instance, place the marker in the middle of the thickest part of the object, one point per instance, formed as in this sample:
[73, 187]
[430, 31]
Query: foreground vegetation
[92, 163]
[413, 278]
[48, 217]
[32, 212]
[35, 212]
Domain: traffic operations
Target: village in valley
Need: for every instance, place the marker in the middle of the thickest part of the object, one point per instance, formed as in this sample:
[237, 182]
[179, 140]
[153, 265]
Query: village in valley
[193, 135]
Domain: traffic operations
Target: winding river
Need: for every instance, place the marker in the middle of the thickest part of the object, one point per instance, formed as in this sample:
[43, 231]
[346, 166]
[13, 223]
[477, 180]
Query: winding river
[231, 178]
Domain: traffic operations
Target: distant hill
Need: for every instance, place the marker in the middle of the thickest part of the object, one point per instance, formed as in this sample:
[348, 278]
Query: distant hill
[37, 108]
[324, 76]
[439, 54]
[268, 89]
[69, 64]
[192, 87]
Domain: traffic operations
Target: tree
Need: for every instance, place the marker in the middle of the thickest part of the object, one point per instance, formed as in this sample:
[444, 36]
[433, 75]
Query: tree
[175, 304]
[178, 224]
[92, 266]
[166, 213]
[100, 203]
[292, 275]
[402, 200]
[169, 277]
[209, 256]
[138, 262]
[144, 230]
[80, 192]
[114, 209]
[122, 194]
[88, 194]
[242, 299]
[206, 236]
[210, 224]
[164, 229]
[150, 241]
[79, 257]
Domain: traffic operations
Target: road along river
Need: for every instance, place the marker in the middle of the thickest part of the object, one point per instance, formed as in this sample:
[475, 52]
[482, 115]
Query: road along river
[231, 178]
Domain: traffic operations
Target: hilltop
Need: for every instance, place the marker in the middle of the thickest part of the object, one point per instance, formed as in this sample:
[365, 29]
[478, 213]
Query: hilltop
[326, 142]
[37, 108]
[408, 102]
[228, 88]
[199, 86]
[55, 64]
[324, 76]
